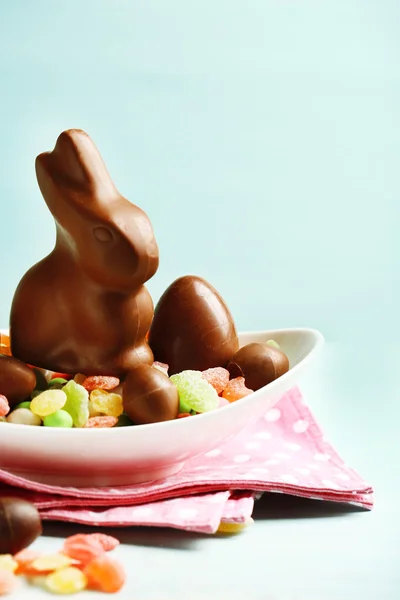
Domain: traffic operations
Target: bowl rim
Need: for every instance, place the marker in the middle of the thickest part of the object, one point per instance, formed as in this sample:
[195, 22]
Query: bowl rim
[319, 341]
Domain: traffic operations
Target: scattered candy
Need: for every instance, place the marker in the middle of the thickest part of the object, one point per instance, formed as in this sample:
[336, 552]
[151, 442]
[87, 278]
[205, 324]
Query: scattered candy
[218, 377]
[24, 558]
[105, 403]
[4, 406]
[96, 382]
[105, 574]
[77, 404]
[234, 527]
[83, 548]
[100, 422]
[24, 416]
[48, 402]
[49, 562]
[58, 419]
[236, 389]
[8, 582]
[195, 393]
[107, 541]
[69, 580]
[8, 563]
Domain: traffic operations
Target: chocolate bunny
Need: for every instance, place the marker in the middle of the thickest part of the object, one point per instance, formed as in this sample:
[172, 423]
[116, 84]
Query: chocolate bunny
[84, 308]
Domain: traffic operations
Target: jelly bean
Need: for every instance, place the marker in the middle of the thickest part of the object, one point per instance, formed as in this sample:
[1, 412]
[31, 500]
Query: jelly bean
[23, 416]
[48, 402]
[4, 406]
[105, 574]
[218, 377]
[108, 542]
[8, 582]
[105, 403]
[50, 562]
[195, 393]
[83, 548]
[58, 419]
[183, 415]
[69, 580]
[26, 404]
[80, 378]
[65, 376]
[24, 559]
[236, 389]
[96, 382]
[8, 563]
[273, 343]
[99, 422]
[225, 527]
[77, 404]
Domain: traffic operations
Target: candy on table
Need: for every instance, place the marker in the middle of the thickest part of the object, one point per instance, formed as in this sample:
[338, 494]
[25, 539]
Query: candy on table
[77, 404]
[195, 393]
[48, 402]
[97, 382]
[100, 422]
[42, 565]
[108, 542]
[20, 525]
[225, 527]
[8, 582]
[218, 377]
[68, 580]
[8, 563]
[24, 558]
[24, 416]
[105, 403]
[105, 574]
[236, 389]
[4, 406]
[83, 548]
[58, 419]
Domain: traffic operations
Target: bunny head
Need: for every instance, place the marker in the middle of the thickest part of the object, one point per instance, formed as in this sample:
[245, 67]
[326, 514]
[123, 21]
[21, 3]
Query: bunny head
[110, 239]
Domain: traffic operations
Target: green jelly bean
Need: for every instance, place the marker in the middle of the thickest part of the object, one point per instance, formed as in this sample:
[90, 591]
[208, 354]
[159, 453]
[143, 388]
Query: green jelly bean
[26, 404]
[58, 419]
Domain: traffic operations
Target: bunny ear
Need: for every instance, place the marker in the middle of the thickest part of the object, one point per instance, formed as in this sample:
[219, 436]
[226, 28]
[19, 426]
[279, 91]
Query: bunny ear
[76, 163]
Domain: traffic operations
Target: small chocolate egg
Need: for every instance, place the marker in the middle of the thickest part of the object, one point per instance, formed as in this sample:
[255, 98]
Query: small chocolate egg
[20, 525]
[17, 380]
[259, 364]
[149, 396]
[192, 327]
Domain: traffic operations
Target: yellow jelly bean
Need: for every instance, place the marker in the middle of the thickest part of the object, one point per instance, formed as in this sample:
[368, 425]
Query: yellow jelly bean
[48, 402]
[66, 581]
[7, 563]
[234, 527]
[50, 562]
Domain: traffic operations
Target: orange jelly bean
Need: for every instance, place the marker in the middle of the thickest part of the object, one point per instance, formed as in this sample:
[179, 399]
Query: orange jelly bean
[105, 574]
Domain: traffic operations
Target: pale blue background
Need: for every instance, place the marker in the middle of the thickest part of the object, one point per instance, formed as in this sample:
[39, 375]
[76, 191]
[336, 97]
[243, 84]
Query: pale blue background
[263, 139]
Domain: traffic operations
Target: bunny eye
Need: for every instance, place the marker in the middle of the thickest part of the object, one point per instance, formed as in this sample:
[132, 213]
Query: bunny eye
[102, 234]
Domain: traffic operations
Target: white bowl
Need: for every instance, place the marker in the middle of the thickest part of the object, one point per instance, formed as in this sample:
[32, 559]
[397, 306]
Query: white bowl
[127, 455]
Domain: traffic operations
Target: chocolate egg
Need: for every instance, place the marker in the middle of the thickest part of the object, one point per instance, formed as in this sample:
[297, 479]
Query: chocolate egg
[192, 327]
[17, 380]
[149, 396]
[259, 364]
[20, 525]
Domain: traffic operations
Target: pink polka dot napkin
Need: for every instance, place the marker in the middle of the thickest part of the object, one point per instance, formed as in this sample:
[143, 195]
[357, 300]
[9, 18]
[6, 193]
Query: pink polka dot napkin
[284, 452]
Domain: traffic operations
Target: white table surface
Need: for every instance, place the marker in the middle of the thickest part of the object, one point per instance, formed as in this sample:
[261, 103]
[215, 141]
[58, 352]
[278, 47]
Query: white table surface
[296, 549]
